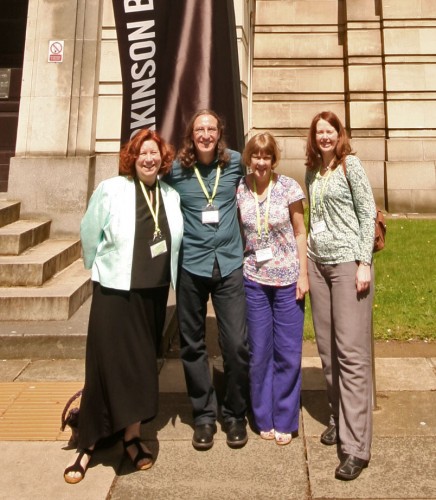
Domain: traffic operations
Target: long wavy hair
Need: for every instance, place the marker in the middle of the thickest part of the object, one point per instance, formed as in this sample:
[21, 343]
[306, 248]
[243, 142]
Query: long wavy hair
[343, 147]
[130, 151]
[187, 154]
[264, 142]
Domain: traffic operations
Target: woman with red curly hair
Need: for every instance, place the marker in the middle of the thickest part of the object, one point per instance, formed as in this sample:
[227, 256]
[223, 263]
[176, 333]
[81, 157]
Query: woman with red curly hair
[131, 235]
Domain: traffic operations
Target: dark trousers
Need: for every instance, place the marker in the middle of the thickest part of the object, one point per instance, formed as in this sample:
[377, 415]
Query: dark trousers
[228, 299]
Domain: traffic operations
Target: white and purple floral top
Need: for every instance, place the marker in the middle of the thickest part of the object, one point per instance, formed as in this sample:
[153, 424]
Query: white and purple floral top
[284, 268]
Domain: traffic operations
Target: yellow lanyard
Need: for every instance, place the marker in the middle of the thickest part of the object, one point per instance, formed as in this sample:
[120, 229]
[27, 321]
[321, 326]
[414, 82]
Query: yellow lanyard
[268, 200]
[321, 194]
[154, 213]
[209, 198]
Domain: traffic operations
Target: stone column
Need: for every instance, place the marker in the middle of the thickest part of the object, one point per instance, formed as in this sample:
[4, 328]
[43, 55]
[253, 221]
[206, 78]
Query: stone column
[244, 16]
[365, 89]
[52, 172]
[409, 47]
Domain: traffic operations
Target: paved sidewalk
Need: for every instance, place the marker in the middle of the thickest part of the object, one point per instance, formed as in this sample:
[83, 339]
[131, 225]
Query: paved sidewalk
[32, 395]
[33, 392]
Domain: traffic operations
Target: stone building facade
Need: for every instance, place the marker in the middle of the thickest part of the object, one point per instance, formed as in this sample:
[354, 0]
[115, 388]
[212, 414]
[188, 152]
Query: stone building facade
[373, 62]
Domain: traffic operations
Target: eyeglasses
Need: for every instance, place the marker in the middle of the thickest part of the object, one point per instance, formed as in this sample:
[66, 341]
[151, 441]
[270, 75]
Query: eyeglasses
[205, 130]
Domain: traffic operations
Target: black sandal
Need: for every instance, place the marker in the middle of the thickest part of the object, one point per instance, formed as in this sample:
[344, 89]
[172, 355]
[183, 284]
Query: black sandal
[77, 467]
[141, 454]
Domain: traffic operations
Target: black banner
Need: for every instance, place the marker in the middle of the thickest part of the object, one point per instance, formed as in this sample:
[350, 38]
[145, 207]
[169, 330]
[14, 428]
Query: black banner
[178, 56]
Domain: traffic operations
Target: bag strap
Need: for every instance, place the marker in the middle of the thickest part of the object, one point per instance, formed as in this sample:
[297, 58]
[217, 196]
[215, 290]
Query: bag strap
[344, 168]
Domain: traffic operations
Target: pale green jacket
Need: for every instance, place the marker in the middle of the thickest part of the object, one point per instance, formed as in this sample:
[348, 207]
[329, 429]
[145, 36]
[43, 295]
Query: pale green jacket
[107, 231]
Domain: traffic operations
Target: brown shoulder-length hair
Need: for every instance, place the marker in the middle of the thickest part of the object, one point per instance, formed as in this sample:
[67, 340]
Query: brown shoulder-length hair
[343, 147]
[130, 151]
[187, 155]
[264, 142]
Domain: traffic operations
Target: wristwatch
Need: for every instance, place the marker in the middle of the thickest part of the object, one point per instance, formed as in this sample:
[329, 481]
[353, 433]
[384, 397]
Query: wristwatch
[365, 263]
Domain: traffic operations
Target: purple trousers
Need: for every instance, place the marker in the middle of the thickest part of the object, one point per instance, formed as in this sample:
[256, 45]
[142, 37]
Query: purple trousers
[275, 336]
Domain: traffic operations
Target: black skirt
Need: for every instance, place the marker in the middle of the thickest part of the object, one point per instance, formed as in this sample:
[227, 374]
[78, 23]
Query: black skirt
[121, 377]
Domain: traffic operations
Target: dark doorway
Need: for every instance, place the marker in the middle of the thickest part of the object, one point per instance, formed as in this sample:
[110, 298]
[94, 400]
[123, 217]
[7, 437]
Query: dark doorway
[13, 24]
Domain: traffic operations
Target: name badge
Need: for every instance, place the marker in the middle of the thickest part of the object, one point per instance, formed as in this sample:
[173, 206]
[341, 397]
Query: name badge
[210, 215]
[263, 254]
[319, 227]
[158, 247]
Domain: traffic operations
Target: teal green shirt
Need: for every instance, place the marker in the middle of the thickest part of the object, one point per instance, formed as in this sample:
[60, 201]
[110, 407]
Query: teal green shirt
[202, 243]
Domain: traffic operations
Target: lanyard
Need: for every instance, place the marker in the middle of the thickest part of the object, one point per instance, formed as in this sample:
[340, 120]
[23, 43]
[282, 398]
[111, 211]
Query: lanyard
[321, 191]
[155, 214]
[203, 187]
[268, 200]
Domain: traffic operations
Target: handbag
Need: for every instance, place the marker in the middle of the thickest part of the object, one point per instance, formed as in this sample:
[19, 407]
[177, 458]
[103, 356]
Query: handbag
[380, 231]
[70, 417]
[380, 223]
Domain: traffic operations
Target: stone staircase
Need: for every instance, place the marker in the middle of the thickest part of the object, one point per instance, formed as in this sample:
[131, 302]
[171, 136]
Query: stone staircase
[41, 278]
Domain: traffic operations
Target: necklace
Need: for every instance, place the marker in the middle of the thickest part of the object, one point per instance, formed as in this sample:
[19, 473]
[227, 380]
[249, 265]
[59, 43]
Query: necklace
[326, 168]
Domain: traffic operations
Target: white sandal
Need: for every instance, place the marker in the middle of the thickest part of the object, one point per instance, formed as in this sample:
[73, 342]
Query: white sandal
[268, 435]
[282, 438]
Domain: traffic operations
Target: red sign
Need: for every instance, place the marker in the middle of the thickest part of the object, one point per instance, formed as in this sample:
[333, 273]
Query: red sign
[56, 51]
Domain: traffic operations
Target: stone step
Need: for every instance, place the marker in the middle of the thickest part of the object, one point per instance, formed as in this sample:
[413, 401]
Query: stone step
[38, 264]
[66, 339]
[9, 212]
[57, 299]
[22, 234]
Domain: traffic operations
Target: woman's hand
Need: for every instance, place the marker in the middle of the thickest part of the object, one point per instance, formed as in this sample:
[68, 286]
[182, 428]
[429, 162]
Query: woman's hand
[302, 287]
[363, 277]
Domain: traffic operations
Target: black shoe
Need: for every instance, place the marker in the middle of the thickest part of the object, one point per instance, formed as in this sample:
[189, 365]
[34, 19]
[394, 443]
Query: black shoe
[350, 468]
[203, 436]
[237, 434]
[330, 435]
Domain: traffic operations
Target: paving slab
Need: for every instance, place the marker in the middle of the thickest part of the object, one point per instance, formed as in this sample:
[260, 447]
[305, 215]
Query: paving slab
[391, 374]
[172, 377]
[403, 414]
[405, 374]
[10, 369]
[54, 370]
[260, 470]
[400, 414]
[313, 376]
[34, 471]
[393, 473]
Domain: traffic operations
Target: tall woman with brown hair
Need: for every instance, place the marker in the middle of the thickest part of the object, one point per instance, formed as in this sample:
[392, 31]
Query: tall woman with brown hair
[342, 213]
[131, 234]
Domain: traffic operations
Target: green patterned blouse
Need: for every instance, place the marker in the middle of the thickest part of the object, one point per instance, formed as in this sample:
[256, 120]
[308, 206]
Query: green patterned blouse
[342, 221]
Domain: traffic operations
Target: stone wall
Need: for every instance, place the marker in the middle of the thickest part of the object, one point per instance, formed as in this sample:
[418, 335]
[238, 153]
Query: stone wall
[373, 62]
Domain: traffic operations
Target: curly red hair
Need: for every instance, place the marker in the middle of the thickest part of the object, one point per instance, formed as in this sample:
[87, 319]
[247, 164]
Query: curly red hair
[130, 152]
[343, 147]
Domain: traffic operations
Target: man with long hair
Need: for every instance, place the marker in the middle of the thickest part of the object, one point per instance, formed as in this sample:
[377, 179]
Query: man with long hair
[206, 175]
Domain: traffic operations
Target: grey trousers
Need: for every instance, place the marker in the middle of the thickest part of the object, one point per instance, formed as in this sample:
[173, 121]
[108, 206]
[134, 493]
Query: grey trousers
[342, 322]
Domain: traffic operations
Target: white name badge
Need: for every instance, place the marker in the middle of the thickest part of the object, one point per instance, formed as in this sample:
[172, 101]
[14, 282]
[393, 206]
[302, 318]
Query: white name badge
[318, 227]
[263, 254]
[158, 248]
[210, 215]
